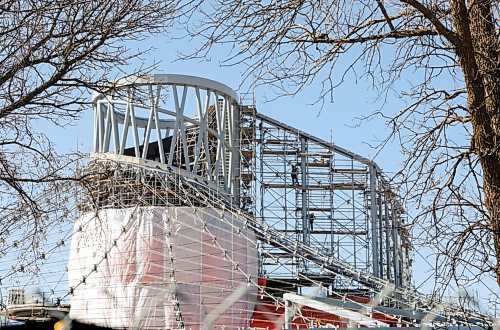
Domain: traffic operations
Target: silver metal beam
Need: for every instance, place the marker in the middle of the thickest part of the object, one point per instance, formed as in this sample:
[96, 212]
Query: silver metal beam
[322, 142]
[348, 314]
[303, 177]
[387, 217]
[374, 220]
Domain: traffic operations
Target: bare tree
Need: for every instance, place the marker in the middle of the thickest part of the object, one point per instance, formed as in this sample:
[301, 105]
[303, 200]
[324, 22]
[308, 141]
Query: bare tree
[52, 54]
[450, 131]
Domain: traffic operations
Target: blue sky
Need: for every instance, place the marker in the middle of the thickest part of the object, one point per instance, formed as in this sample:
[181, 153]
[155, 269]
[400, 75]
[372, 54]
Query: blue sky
[334, 119]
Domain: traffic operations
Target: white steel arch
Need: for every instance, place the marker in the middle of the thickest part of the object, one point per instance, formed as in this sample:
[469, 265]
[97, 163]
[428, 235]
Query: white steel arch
[186, 122]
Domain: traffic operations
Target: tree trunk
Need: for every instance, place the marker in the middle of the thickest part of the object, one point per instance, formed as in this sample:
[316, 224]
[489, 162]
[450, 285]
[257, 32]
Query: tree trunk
[479, 59]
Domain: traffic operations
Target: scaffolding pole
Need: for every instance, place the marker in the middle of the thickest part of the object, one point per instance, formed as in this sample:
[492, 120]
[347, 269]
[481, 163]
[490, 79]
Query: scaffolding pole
[303, 150]
[374, 220]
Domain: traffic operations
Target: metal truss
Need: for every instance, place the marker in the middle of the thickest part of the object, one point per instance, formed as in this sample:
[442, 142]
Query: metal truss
[162, 185]
[181, 141]
[330, 208]
[182, 121]
[342, 205]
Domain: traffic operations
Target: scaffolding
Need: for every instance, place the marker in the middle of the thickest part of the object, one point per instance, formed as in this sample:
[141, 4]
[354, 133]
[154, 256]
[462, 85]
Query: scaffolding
[328, 208]
[302, 211]
[119, 182]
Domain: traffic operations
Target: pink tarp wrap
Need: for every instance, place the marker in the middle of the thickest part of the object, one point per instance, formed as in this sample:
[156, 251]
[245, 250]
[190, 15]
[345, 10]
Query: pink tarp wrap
[155, 267]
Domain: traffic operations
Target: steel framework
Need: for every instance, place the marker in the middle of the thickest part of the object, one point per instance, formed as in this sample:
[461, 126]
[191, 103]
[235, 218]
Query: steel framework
[173, 140]
[330, 209]
[342, 205]
[182, 121]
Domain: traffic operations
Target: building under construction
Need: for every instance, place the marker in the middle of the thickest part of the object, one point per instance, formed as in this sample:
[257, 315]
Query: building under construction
[200, 212]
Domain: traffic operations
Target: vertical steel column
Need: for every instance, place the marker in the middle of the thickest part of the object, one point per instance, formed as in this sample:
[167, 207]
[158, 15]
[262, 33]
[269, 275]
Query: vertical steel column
[261, 170]
[305, 228]
[236, 158]
[387, 237]
[97, 118]
[374, 220]
[332, 210]
[101, 124]
[353, 213]
[395, 242]
[380, 230]
[284, 147]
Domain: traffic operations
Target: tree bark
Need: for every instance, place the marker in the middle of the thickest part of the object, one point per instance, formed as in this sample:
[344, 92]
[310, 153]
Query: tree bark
[479, 59]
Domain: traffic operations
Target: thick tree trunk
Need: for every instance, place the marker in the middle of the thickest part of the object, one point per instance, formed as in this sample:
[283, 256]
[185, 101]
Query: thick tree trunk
[487, 119]
[486, 125]
[491, 170]
[480, 62]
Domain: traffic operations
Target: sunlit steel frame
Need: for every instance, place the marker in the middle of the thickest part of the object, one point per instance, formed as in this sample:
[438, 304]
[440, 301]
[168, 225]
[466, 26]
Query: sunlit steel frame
[116, 114]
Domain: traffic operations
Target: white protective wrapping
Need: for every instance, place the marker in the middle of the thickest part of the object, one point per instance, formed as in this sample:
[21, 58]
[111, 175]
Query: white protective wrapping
[129, 267]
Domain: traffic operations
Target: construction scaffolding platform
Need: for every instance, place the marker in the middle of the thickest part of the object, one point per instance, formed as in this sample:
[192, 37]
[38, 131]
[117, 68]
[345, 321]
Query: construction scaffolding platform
[326, 204]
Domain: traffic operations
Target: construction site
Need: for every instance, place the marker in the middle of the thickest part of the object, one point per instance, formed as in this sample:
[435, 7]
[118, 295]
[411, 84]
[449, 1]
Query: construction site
[198, 211]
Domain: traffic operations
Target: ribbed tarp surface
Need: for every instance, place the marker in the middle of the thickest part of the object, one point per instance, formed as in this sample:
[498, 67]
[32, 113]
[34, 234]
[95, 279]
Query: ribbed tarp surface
[160, 267]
